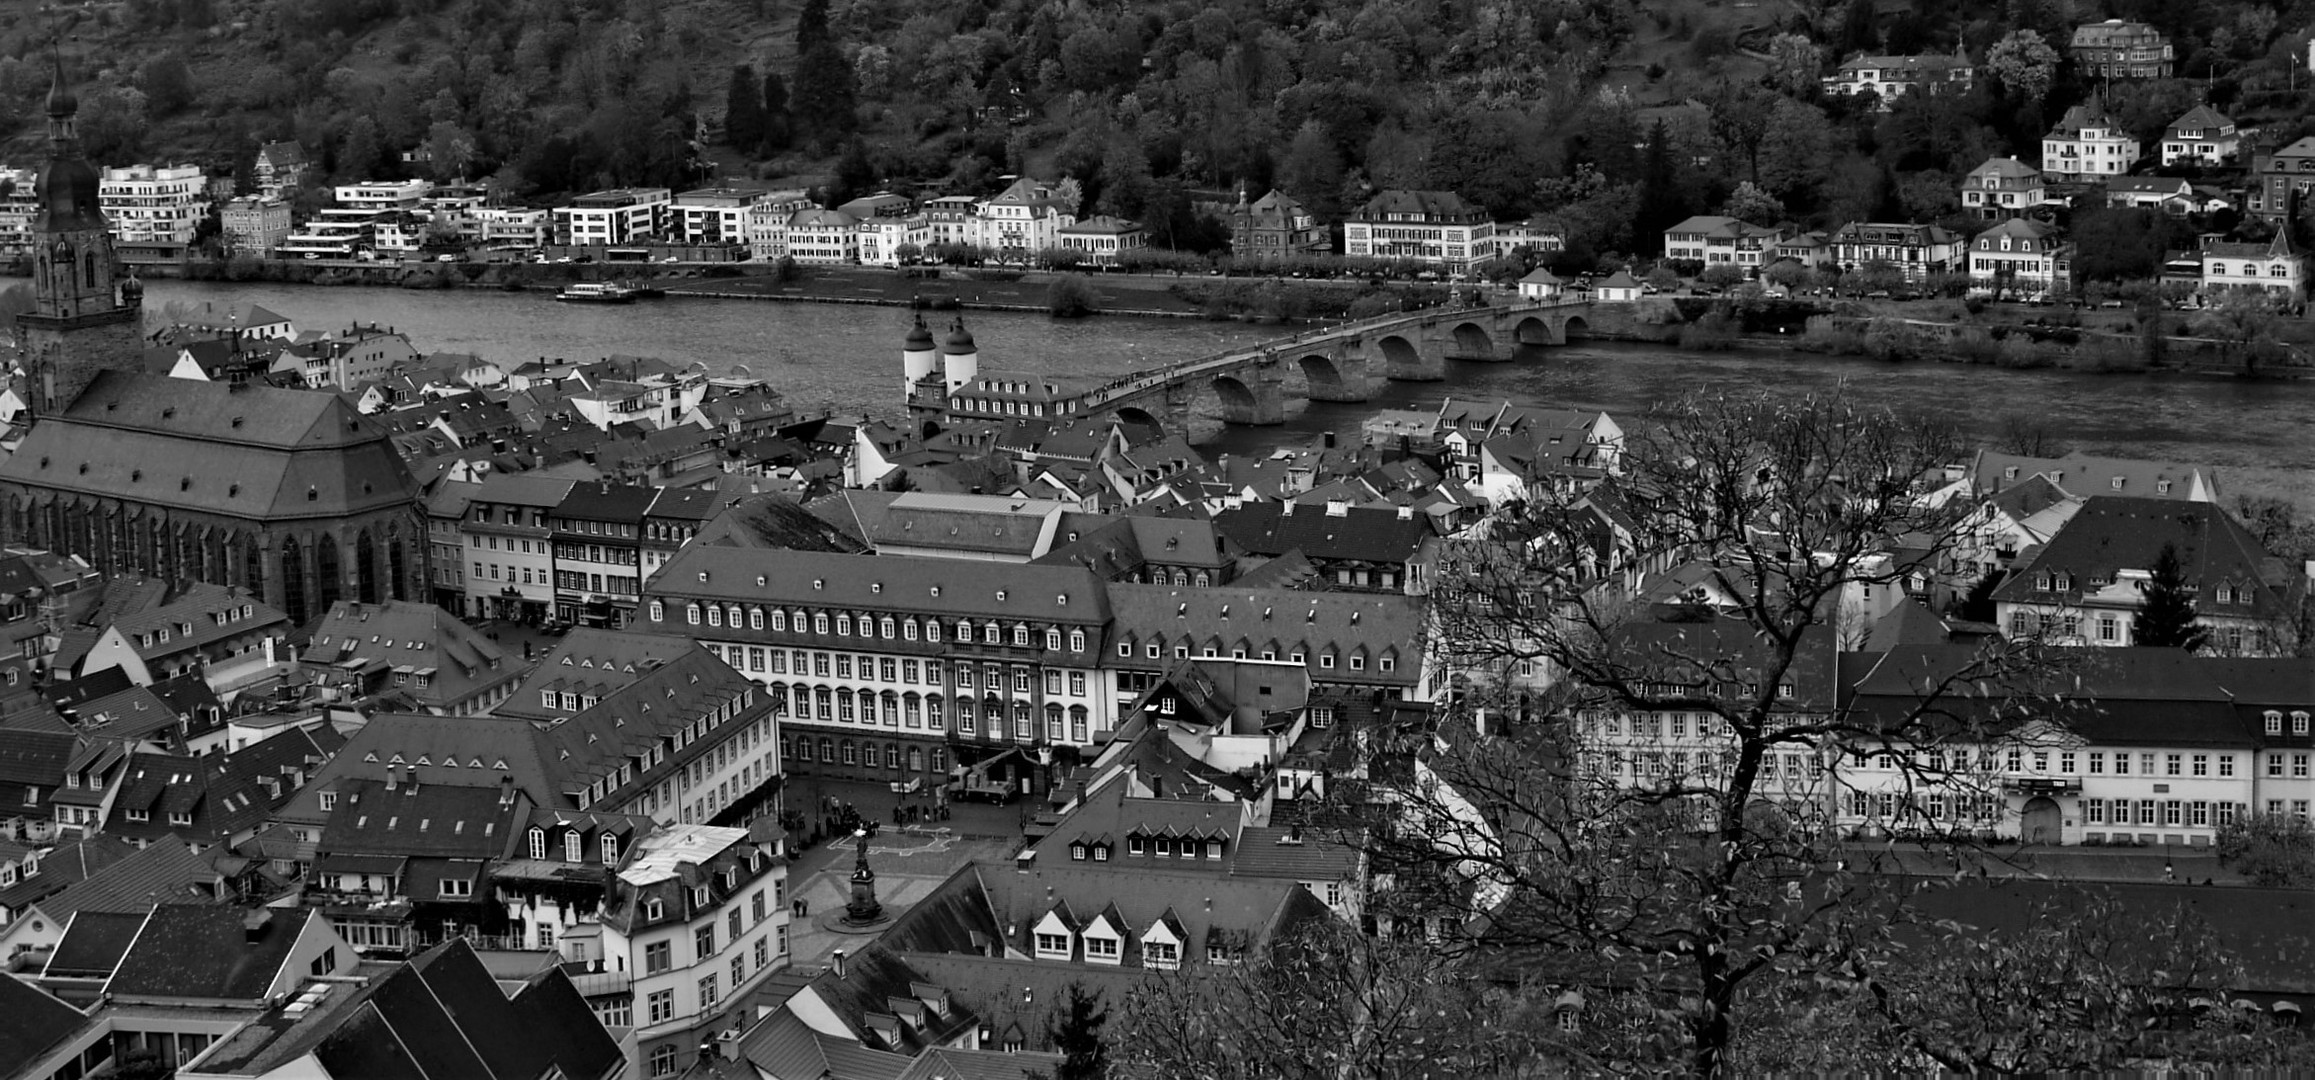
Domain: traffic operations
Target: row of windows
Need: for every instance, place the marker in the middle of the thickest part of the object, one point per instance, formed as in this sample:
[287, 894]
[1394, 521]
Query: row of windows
[2195, 812]
[834, 751]
[902, 670]
[574, 846]
[843, 623]
[830, 705]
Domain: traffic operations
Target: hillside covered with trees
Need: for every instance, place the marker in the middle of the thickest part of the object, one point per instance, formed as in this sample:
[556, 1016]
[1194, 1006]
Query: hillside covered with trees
[1617, 118]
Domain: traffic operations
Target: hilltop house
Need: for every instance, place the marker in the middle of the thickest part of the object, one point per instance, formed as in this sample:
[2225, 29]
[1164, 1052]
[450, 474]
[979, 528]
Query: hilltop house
[2201, 137]
[2280, 181]
[2087, 143]
[2116, 49]
[2003, 187]
[1889, 76]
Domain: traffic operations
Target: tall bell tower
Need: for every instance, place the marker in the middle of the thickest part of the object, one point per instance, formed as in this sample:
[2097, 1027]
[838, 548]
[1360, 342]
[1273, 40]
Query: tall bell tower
[86, 316]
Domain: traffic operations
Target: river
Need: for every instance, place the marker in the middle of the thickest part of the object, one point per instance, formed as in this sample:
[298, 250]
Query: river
[848, 357]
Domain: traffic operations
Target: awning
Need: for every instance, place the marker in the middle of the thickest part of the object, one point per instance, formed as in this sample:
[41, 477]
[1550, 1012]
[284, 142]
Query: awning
[360, 864]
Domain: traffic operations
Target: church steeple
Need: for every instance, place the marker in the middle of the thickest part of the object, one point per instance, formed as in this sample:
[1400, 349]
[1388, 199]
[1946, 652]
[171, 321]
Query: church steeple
[85, 314]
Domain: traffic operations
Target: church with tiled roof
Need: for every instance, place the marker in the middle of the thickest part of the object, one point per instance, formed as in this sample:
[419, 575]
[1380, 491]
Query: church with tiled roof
[290, 494]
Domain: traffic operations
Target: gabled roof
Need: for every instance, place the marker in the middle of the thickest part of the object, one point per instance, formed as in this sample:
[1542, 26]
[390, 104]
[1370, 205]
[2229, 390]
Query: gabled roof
[1316, 624]
[415, 639]
[2201, 117]
[437, 750]
[2005, 168]
[64, 866]
[32, 1022]
[419, 820]
[783, 1045]
[1366, 534]
[442, 1016]
[159, 874]
[591, 660]
[93, 944]
[2112, 533]
[202, 951]
[241, 450]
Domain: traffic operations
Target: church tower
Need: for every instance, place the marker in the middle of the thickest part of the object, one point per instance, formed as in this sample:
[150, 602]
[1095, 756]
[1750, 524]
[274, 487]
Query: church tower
[86, 317]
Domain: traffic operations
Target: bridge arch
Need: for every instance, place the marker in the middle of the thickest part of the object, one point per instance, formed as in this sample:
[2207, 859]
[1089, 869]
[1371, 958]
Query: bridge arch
[1575, 327]
[1534, 330]
[1140, 417]
[1325, 378]
[1239, 405]
[1473, 342]
[1402, 359]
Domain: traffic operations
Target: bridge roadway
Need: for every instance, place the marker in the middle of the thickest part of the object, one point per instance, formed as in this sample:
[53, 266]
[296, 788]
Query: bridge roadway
[1339, 363]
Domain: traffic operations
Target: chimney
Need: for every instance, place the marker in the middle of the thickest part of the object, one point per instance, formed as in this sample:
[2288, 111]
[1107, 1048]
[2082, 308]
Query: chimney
[727, 1044]
[1406, 512]
[393, 777]
[253, 924]
[1288, 509]
[836, 962]
[1157, 786]
[411, 787]
[1330, 440]
[506, 790]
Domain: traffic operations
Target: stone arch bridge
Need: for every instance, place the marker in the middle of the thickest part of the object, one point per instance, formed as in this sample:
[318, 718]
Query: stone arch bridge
[1343, 363]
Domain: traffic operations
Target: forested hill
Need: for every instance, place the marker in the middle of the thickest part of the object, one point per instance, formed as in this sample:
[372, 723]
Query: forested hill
[1609, 113]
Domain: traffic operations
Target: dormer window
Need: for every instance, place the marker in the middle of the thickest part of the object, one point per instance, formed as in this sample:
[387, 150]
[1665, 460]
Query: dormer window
[2299, 723]
[2275, 721]
[1077, 852]
[1135, 845]
[654, 910]
[538, 842]
[574, 847]
[699, 896]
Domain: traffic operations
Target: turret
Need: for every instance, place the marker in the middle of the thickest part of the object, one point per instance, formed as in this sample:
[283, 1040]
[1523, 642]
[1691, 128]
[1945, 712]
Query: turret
[960, 358]
[918, 357]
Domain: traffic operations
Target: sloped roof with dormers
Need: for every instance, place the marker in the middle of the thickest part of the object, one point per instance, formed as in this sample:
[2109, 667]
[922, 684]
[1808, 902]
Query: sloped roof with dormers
[1259, 620]
[240, 450]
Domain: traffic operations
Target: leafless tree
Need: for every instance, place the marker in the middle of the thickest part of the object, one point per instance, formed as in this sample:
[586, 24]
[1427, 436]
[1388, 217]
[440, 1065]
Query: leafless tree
[1697, 858]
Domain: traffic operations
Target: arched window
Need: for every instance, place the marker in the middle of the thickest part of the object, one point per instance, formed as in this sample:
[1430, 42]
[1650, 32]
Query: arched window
[964, 631]
[891, 709]
[1021, 634]
[844, 624]
[916, 759]
[885, 626]
[908, 629]
[851, 755]
[827, 749]
[1053, 723]
[610, 850]
[691, 614]
[932, 629]
[658, 611]
[1077, 641]
[755, 618]
[932, 717]
[88, 270]
[1077, 716]
[1024, 723]
[538, 844]
[912, 711]
[779, 619]
[714, 615]
[1053, 639]
[574, 847]
[867, 706]
[939, 759]
[826, 702]
[968, 718]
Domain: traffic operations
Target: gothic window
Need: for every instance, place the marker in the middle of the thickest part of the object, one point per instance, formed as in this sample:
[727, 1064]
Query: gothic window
[88, 270]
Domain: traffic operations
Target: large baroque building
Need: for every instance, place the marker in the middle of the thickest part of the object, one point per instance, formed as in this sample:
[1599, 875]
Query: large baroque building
[291, 494]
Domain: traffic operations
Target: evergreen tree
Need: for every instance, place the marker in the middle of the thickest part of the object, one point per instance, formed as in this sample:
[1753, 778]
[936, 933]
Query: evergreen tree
[812, 26]
[2166, 614]
[1076, 1036]
[779, 127]
[743, 110]
[1662, 202]
[824, 97]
